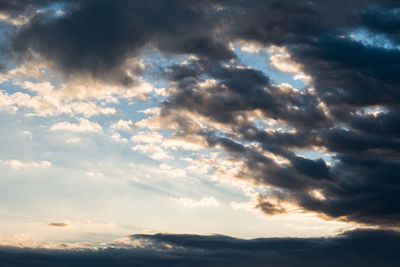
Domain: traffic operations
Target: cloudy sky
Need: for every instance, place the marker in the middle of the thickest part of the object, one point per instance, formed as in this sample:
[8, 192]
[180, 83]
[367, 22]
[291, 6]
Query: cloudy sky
[228, 126]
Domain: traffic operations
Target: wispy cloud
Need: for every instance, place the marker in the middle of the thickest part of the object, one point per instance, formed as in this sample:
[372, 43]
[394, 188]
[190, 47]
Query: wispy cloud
[18, 165]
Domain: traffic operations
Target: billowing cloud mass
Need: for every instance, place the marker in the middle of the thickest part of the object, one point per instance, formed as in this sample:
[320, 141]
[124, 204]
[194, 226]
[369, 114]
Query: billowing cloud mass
[329, 145]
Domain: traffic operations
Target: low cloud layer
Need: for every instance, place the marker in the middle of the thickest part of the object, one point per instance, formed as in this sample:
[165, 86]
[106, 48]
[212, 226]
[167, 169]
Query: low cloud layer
[356, 248]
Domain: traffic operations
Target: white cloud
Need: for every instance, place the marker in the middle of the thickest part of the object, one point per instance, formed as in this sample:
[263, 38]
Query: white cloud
[48, 101]
[18, 165]
[249, 47]
[10, 103]
[187, 142]
[149, 111]
[118, 138]
[155, 152]
[78, 94]
[147, 137]
[192, 142]
[122, 125]
[83, 126]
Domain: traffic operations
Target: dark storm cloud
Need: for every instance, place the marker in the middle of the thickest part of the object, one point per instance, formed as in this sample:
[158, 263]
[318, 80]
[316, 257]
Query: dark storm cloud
[240, 90]
[383, 20]
[357, 248]
[362, 185]
[294, 22]
[98, 36]
[348, 72]
[384, 124]
[349, 77]
[22, 5]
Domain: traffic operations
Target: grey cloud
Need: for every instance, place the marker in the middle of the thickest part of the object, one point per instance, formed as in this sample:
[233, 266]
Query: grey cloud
[356, 248]
[348, 75]
[97, 37]
[348, 72]
[23, 5]
[240, 90]
[362, 174]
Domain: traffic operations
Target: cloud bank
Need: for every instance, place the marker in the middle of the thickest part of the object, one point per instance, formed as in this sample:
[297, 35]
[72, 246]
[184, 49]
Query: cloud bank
[355, 248]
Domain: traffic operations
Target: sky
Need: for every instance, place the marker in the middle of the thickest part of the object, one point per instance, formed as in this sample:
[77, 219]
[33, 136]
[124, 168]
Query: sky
[199, 133]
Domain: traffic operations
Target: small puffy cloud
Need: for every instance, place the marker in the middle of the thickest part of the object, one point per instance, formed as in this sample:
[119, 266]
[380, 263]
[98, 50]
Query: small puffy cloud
[147, 137]
[122, 125]
[174, 142]
[11, 102]
[86, 108]
[151, 111]
[205, 202]
[250, 47]
[118, 138]
[18, 165]
[187, 143]
[155, 152]
[83, 126]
